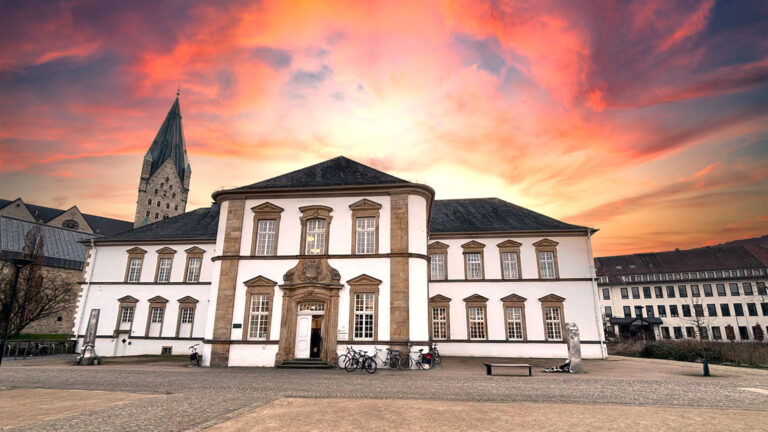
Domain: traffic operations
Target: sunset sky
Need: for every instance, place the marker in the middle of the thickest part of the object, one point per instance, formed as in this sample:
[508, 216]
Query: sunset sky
[647, 120]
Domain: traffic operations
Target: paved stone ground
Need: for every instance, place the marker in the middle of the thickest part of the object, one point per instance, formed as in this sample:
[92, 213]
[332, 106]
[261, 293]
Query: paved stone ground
[295, 414]
[196, 398]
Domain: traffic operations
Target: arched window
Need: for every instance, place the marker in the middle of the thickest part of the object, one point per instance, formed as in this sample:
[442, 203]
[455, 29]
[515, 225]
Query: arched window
[155, 191]
[167, 205]
[176, 207]
[157, 215]
[147, 213]
[158, 203]
[170, 187]
[149, 201]
[166, 179]
[173, 195]
[71, 224]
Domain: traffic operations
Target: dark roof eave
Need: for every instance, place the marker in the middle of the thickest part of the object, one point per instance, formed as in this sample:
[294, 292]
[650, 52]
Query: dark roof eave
[582, 231]
[219, 196]
[157, 240]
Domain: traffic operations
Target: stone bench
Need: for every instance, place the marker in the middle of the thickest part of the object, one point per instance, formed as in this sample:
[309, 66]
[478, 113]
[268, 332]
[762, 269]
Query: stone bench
[489, 367]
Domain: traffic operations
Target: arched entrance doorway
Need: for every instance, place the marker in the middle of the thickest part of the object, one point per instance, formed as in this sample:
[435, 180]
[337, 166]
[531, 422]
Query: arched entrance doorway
[310, 302]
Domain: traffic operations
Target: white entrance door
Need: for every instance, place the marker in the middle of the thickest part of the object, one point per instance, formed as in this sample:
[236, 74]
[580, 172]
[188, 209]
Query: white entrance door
[303, 334]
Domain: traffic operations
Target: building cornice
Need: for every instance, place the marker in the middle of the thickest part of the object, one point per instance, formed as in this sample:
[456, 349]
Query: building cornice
[519, 233]
[326, 191]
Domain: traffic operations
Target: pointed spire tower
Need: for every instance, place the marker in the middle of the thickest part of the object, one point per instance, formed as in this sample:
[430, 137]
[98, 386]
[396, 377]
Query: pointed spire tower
[165, 173]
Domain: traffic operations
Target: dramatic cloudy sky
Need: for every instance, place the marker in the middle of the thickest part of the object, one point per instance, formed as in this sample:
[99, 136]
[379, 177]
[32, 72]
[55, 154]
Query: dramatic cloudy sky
[648, 120]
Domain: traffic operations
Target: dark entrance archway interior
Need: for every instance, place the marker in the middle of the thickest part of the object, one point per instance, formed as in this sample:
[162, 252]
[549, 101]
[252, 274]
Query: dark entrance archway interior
[316, 340]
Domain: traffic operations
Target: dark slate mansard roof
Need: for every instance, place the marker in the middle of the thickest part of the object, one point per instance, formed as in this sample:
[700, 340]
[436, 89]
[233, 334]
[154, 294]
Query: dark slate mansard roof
[99, 224]
[491, 215]
[691, 260]
[62, 247]
[199, 224]
[339, 171]
[169, 144]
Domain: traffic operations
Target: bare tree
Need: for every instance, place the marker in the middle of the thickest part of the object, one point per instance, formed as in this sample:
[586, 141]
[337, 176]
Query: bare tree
[40, 293]
[699, 317]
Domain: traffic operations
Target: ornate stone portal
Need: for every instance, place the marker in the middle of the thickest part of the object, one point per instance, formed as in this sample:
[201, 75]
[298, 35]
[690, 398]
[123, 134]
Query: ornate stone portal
[311, 280]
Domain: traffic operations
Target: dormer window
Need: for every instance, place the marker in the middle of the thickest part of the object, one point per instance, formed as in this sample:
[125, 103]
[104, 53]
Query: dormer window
[70, 224]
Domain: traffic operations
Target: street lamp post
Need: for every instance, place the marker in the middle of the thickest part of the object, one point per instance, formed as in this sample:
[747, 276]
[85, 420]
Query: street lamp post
[18, 263]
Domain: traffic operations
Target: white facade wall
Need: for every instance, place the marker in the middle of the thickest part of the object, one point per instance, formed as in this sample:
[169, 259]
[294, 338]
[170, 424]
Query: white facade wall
[104, 285]
[579, 305]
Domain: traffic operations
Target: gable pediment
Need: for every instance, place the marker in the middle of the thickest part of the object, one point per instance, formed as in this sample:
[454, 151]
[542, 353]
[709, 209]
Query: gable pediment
[552, 298]
[158, 299]
[136, 250]
[267, 207]
[476, 298]
[513, 298]
[437, 246]
[364, 279]
[128, 299]
[439, 298]
[509, 244]
[166, 250]
[546, 243]
[195, 250]
[259, 281]
[473, 245]
[365, 204]
[187, 299]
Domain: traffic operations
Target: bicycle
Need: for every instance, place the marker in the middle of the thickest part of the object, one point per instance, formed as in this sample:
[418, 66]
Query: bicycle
[195, 359]
[391, 360]
[435, 354]
[423, 361]
[360, 359]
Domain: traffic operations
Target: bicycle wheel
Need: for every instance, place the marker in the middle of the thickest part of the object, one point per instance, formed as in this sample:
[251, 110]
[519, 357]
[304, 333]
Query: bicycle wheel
[394, 362]
[341, 362]
[436, 359]
[369, 364]
[406, 362]
[352, 364]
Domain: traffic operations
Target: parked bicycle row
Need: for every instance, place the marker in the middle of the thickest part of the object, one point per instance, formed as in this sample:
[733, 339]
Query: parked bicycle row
[388, 358]
[37, 348]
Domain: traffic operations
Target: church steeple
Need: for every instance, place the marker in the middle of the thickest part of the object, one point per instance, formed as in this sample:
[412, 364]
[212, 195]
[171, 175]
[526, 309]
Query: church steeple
[166, 172]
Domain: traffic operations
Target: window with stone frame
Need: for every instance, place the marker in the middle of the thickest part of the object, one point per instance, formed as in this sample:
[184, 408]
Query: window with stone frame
[315, 227]
[635, 292]
[509, 253]
[624, 293]
[473, 260]
[606, 293]
[437, 266]
[670, 291]
[186, 317]
[708, 290]
[554, 320]
[658, 291]
[673, 311]
[477, 325]
[608, 311]
[364, 316]
[662, 311]
[134, 264]
[438, 261]
[266, 226]
[127, 310]
[164, 264]
[439, 322]
[365, 227]
[646, 292]
[194, 264]
[439, 312]
[514, 317]
[695, 291]
[546, 256]
[259, 292]
[364, 298]
[734, 289]
[156, 316]
[682, 290]
[258, 318]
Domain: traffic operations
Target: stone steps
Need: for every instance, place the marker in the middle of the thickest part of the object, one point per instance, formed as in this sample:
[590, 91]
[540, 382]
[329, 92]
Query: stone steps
[305, 364]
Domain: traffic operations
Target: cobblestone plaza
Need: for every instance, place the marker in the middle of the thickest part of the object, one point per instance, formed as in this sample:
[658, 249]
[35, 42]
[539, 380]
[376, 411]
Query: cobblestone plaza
[169, 396]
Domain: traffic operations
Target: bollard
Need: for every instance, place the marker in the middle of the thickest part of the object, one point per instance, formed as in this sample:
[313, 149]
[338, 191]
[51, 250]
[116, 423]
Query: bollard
[705, 365]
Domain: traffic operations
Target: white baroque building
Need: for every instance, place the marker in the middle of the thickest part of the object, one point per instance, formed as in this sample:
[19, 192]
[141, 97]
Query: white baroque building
[336, 254]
